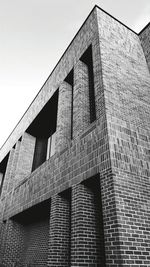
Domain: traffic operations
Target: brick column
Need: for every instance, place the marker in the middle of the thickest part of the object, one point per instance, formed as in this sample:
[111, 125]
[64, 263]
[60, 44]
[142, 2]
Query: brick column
[1, 178]
[14, 165]
[14, 243]
[98, 79]
[59, 241]
[25, 158]
[63, 130]
[7, 174]
[81, 106]
[87, 241]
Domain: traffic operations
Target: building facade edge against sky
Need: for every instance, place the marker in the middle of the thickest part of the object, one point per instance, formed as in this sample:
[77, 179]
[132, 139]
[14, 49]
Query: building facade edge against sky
[25, 80]
[96, 6]
[93, 188]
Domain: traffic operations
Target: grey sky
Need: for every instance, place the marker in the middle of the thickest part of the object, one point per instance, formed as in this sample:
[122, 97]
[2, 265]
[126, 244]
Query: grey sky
[34, 35]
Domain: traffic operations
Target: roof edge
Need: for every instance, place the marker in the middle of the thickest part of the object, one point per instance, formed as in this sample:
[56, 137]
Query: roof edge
[116, 19]
[146, 26]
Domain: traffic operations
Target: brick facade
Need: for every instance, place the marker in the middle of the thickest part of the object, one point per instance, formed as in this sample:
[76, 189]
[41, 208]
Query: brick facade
[81, 115]
[145, 39]
[63, 135]
[87, 225]
[86, 201]
[60, 230]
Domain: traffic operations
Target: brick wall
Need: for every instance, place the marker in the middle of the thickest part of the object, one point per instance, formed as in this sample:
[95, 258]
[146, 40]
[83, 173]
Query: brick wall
[87, 241]
[13, 245]
[36, 243]
[3, 239]
[70, 235]
[69, 59]
[25, 159]
[81, 107]
[126, 82]
[25, 238]
[60, 230]
[8, 173]
[63, 135]
[112, 212]
[144, 36]
[12, 180]
[9, 177]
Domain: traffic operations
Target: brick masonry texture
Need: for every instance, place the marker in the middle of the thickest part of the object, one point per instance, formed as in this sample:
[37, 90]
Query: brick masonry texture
[26, 241]
[14, 234]
[97, 183]
[126, 83]
[81, 116]
[145, 39]
[87, 225]
[13, 180]
[60, 231]
[63, 135]
[8, 172]
[25, 159]
[36, 243]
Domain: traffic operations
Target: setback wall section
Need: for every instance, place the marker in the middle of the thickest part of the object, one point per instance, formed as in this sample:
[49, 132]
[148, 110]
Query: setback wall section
[126, 82]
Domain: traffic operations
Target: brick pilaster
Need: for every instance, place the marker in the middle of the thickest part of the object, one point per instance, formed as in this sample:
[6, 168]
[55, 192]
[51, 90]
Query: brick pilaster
[14, 165]
[63, 130]
[81, 109]
[25, 158]
[59, 242]
[98, 80]
[8, 172]
[87, 245]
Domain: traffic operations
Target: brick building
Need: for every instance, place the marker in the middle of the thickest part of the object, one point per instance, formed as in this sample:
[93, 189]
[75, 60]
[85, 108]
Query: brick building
[75, 172]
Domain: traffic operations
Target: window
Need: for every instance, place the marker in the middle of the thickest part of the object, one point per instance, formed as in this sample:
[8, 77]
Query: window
[88, 60]
[51, 146]
[43, 128]
[69, 79]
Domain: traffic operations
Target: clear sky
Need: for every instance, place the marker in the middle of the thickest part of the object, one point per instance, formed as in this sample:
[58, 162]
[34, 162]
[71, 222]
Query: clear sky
[33, 36]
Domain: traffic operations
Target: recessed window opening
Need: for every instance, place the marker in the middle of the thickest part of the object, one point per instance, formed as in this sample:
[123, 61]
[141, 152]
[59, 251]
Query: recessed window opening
[43, 128]
[69, 79]
[14, 146]
[33, 229]
[88, 60]
[50, 146]
[3, 166]
[20, 139]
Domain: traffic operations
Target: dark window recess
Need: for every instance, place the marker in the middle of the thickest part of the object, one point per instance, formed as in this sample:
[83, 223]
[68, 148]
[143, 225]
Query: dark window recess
[88, 60]
[20, 139]
[3, 166]
[33, 214]
[69, 79]
[39, 153]
[33, 225]
[96, 221]
[43, 126]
